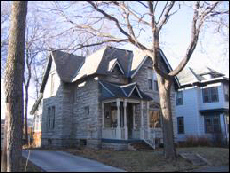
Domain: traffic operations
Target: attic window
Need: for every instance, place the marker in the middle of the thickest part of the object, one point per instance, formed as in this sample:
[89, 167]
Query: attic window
[86, 108]
[114, 65]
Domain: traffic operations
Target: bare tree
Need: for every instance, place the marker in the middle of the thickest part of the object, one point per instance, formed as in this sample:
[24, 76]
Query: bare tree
[15, 66]
[128, 25]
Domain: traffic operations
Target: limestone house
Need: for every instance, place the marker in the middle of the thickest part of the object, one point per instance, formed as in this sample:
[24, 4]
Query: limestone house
[106, 100]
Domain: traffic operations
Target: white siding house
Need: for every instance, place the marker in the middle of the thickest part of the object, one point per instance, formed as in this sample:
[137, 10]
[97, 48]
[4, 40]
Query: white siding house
[202, 104]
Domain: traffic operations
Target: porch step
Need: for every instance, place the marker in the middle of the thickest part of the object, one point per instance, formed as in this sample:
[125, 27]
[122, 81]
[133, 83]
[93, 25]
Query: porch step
[140, 146]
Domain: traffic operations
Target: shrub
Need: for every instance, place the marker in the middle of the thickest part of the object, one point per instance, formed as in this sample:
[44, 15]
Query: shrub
[195, 141]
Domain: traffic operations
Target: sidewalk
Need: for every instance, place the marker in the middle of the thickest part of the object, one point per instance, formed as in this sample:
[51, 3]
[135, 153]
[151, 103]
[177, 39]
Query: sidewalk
[60, 161]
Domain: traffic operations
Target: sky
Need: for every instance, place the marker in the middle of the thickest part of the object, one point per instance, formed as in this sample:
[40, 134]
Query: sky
[175, 38]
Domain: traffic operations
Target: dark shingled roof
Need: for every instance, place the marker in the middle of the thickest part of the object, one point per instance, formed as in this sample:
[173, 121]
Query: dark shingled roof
[112, 90]
[71, 68]
[67, 65]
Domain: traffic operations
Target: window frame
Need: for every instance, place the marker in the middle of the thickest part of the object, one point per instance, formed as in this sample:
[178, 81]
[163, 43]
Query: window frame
[178, 125]
[208, 95]
[212, 124]
[181, 97]
[150, 84]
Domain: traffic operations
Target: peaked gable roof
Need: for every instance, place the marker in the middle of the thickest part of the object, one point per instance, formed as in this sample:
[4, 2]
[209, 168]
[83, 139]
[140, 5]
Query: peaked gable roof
[125, 91]
[67, 65]
[190, 75]
[71, 68]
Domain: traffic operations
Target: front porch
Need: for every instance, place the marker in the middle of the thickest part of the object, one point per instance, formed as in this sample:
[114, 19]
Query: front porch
[128, 120]
[128, 114]
[119, 119]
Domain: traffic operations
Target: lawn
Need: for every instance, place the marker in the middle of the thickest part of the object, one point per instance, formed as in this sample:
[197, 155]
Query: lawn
[153, 161]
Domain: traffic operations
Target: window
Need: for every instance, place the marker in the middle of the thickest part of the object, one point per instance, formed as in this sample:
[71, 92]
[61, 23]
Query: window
[150, 78]
[52, 84]
[150, 84]
[156, 85]
[212, 124]
[154, 119]
[227, 122]
[210, 94]
[226, 93]
[51, 117]
[86, 108]
[180, 125]
[179, 98]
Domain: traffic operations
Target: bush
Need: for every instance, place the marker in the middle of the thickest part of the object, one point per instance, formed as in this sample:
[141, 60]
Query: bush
[195, 141]
[215, 140]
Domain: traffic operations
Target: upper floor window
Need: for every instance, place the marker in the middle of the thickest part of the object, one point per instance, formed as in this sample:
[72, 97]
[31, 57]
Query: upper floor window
[210, 94]
[226, 93]
[150, 83]
[180, 125]
[179, 98]
[150, 78]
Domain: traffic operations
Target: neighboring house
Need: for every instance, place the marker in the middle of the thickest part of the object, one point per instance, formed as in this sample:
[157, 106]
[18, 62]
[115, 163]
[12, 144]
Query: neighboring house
[202, 104]
[37, 129]
[105, 100]
[29, 130]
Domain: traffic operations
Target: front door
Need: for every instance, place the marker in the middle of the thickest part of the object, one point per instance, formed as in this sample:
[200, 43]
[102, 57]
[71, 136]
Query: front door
[130, 120]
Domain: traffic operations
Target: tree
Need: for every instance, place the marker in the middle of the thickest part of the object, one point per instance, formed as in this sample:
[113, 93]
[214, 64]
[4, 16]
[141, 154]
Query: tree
[14, 75]
[127, 22]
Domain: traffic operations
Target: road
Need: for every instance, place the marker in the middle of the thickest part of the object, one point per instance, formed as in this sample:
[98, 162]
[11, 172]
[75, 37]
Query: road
[60, 161]
[212, 169]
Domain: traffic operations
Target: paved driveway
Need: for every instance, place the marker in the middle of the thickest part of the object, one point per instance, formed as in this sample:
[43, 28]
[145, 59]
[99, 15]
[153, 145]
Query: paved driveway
[60, 161]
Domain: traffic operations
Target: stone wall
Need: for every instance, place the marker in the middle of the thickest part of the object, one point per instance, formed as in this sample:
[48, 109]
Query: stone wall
[86, 123]
[115, 146]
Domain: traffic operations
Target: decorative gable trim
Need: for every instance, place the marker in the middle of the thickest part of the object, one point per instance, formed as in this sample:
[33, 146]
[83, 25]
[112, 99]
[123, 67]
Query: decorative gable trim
[136, 90]
[139, 66]
[106, 89]
[119, 65]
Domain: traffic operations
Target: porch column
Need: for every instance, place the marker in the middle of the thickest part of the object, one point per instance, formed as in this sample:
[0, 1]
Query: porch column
[103, 116]
[142, 121]
[125, 119]
[118, 134]
[148, 128]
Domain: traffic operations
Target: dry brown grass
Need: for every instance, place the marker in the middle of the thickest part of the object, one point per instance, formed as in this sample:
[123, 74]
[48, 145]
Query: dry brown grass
[152, 161]
[215, 156]
[135, 161]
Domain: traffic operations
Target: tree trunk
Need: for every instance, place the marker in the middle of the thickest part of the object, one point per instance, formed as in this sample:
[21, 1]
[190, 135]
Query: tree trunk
[165, 104]
[14, 87]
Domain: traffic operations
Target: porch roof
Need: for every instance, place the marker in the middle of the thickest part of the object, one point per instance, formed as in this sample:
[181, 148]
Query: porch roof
[111, 90]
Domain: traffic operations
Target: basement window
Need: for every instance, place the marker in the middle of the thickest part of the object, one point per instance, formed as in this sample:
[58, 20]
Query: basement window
[83, 142]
